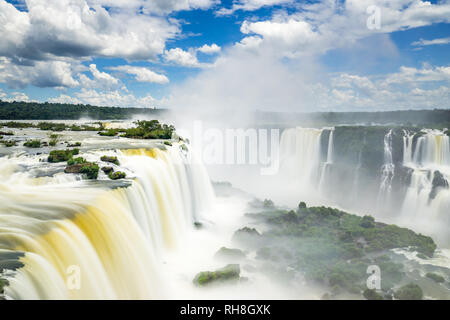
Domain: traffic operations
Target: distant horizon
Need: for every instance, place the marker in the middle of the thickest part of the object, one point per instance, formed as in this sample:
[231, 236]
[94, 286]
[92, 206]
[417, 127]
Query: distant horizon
[178, 109]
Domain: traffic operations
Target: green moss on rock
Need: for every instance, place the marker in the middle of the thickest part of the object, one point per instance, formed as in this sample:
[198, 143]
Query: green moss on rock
[117, 175]
[230, 273]
[110, 159]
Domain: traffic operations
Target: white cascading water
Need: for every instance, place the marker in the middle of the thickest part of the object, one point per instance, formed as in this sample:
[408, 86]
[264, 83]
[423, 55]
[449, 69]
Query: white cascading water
[112, 236]
[326, 167]
[387, 174]
[301, 162]
[430, 154]
[300, 155]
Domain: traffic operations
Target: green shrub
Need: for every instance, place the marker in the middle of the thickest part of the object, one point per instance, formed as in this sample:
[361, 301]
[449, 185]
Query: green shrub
[51, 126]
[90, 170]
[62, 155]
[108, 133]
[79, 160]
[32, 144]
[110, 159]
[368, 222]
[409, 292]
[117, 175]
[371, 294]
[149, 130]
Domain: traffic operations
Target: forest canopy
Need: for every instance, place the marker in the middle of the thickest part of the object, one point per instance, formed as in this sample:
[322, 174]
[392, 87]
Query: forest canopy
[57, 111]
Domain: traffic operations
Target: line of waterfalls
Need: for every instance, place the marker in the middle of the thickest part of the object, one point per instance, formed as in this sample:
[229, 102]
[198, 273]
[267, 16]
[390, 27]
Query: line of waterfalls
[399, 174]
[54, 226]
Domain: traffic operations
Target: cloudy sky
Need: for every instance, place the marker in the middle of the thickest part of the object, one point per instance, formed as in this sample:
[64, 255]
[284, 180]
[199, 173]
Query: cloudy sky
[282, 55]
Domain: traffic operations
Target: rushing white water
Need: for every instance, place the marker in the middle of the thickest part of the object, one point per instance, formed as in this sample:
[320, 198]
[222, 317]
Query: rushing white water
[113, 237]
[300, 155]
[326, 167]
[387, 174]
[430, 154]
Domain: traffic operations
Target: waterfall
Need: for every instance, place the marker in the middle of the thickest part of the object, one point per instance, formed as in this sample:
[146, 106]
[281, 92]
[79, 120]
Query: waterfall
[326, 167]
[408, 139]
[112, 237]
[433, 149]
[387, 174]
[300, 155]
[430, 156]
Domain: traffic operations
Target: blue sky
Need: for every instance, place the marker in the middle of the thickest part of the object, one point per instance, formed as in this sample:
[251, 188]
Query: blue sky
[280, 55]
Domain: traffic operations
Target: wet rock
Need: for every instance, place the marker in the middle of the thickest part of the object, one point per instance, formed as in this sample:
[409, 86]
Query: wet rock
[439, 182]
[75, 168]
[107, 170]
[110, 160]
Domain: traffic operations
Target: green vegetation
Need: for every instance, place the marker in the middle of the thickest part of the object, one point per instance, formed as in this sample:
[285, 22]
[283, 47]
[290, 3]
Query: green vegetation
[62, 155]
[117, 175]
[80, 165]
[90, 170]
[32, 144]
[3, 283]
[78, 160]
[110, 159]
[53, 139]
[6, 133]
[51, 126]
[371, 294]
[409, 292]
[149, 130]
[51, 111]
[230, 273]
[435, 277]
[84, 127]
[17, 125]
[9, 143]
[268, 203]
[332, 247]
[72, 145]
[109, 133]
